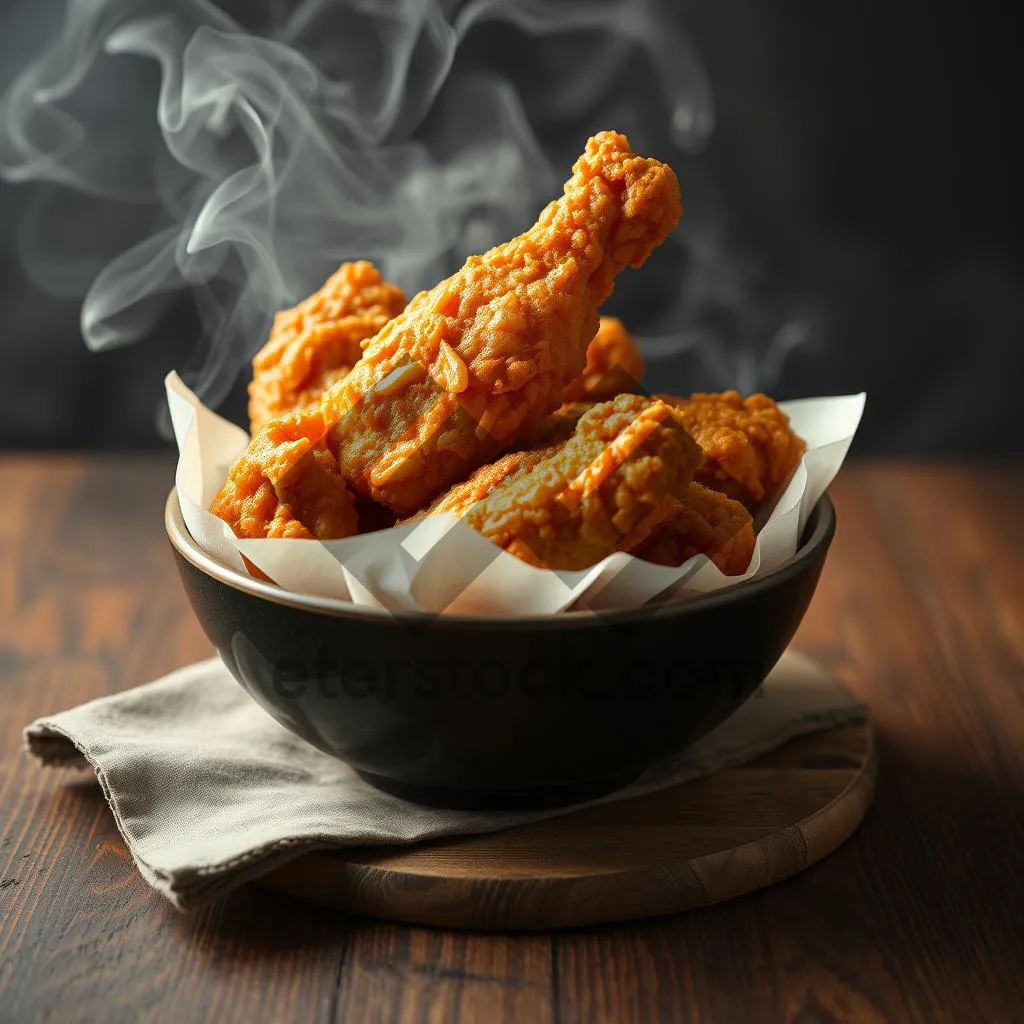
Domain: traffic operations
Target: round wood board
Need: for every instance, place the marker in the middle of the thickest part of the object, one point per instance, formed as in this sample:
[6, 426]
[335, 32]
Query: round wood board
[697, 843]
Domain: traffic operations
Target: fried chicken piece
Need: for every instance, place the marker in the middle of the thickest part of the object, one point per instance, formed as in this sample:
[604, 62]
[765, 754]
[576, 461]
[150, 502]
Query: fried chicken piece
[286, 484]
[614, 365]
[476, 363]
[705, 523]
[461, 497]
[604, 490]
[749, 447]
[316, 344]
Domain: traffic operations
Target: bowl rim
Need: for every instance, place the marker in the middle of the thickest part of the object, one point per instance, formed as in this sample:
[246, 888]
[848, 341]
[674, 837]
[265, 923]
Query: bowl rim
[818, 532]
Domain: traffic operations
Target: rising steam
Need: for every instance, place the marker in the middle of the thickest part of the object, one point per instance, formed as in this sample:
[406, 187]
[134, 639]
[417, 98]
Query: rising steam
[339, 130]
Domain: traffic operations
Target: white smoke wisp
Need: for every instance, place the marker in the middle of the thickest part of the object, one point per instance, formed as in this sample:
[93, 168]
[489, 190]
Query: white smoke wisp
[277, 153]
[680, 71]
[732, 318]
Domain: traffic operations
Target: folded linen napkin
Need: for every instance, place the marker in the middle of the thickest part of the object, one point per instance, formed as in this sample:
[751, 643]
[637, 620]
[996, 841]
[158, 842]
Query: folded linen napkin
[209, 792]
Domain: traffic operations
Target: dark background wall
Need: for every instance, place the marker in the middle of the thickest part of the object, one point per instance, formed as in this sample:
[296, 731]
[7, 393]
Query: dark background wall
[862, 185]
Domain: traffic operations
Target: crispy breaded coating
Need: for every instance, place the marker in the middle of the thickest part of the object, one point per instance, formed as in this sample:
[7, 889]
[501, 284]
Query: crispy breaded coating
[476, 363]
[614, 365]
[705, 523]
[749, 447]
[316, 344]
[286, 484]
[461, 497]
[604, 490]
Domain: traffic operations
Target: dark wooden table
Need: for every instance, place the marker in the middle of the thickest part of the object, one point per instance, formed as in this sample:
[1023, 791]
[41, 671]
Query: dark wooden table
[919, 917]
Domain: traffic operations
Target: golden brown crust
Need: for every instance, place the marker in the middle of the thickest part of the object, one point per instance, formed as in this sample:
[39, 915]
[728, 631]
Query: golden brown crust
[614, 365]
[604, 490]
[316, 344]
[705, 523]
[460, 498]
[475, 364]
[749, 448]
[286, 484]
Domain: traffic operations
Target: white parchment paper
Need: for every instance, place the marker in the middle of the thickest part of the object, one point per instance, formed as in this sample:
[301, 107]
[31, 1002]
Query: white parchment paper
[443, 565]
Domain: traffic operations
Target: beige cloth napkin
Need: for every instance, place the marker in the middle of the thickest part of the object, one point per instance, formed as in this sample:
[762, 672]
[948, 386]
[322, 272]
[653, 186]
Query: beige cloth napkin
[208, 791]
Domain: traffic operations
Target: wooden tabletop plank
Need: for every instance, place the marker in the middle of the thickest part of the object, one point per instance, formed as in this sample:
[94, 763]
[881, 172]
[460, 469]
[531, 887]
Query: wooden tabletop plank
[920, 916]
[392, 972]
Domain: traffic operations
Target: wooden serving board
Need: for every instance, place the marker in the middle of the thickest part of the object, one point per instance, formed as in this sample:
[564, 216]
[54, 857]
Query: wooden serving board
[697, 843]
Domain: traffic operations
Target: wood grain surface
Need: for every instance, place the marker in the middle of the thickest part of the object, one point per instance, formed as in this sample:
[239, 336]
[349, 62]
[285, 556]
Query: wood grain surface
[919, 916]
[698, 843]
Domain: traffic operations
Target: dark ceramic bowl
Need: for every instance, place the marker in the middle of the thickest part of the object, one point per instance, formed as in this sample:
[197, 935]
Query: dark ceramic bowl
[480, 712]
